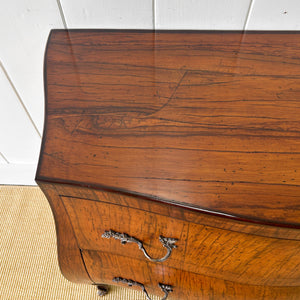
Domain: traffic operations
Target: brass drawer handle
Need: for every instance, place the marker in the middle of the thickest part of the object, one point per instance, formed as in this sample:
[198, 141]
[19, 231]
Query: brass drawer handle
[168, 243]
[164, 287]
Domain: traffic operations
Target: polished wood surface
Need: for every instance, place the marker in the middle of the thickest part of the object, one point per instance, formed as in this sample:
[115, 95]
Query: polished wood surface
[186, 285]
[69, 255]
[216, 258]
[176, 212]
[204, 120]
[201, 249]
[186, 134]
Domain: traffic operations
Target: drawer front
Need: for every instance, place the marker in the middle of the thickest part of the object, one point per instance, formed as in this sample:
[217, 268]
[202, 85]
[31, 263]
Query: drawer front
[224, 254]
[103, 267]
[91, 219]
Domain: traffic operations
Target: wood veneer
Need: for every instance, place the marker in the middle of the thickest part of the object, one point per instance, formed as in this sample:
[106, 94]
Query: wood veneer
[189, 285]
[202, 249]
[190, 134]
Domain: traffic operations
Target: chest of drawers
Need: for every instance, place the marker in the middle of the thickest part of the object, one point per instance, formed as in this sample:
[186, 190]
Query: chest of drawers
[171, 160]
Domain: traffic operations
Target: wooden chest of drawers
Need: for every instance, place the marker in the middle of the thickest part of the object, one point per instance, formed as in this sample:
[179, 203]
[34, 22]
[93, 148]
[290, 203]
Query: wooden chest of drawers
[173, 158]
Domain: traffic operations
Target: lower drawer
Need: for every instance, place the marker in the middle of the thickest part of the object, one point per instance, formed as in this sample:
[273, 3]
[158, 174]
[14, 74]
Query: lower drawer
[205, 250]
[103, 267]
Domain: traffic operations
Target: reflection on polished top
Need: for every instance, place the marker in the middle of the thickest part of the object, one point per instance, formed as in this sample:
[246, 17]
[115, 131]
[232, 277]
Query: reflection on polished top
[206, 120]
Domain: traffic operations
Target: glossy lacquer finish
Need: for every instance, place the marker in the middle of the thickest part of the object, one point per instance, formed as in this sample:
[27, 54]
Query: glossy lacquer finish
[206, 120]
[215, 258]
[187, 135]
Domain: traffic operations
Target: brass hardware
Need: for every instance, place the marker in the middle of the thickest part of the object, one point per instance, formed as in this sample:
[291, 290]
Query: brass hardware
[168, 243]
[164, 287]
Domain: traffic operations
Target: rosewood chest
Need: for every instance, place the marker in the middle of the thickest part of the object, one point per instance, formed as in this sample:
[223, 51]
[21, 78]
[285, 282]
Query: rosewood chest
[171, 160]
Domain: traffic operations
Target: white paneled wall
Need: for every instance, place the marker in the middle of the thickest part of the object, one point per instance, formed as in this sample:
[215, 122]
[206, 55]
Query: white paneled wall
[24, 28]
[204, 14]
[274, 15]
[108, 13]
[2, 160]
[20, 140]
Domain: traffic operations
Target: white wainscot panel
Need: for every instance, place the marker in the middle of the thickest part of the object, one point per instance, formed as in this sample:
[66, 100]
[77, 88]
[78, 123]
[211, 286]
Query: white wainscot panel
[132, 14]
[19, 141]
[2, 160]
[17, 174]
[201, 14]
[24, 28]
[274, 15]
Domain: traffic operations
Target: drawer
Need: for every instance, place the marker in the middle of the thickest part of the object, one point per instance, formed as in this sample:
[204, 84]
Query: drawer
[91, 219]
[103, 267]
[201, 249]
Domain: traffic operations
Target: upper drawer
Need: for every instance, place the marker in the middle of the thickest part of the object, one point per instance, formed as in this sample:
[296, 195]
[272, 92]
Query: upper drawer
[91, 219]
[245, 258]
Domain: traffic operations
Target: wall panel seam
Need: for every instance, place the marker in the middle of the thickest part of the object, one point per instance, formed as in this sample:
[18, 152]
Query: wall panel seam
[4, 157]
[248, 14]
[19, 98]
[62, 15]
[154, 14]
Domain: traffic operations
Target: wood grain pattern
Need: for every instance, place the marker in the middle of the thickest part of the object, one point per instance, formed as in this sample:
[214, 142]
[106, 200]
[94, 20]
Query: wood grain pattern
[186, 285]
[176, 212]
[216, 258]
[205, 120]
[201, 249]
[69, 255]
[191, 135]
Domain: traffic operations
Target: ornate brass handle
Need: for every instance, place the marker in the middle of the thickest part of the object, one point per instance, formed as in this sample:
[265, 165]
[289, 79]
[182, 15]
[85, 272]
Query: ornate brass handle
[164, 287]
[168, 243]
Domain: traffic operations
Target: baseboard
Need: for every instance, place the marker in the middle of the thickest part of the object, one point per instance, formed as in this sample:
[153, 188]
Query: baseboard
[17, 174]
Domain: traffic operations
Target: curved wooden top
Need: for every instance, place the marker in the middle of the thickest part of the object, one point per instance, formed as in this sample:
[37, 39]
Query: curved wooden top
[206, 120]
